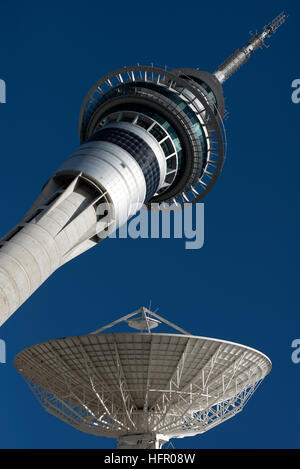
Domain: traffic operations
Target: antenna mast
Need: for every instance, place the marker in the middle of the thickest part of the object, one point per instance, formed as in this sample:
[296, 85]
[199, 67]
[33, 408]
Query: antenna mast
[242, 55]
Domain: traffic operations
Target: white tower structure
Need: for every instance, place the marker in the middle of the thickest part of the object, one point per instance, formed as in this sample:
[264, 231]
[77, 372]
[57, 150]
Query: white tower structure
[142, 388]
[147, 135]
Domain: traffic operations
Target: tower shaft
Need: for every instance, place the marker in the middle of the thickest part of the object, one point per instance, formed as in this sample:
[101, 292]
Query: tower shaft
[43, 241]
[96, 190]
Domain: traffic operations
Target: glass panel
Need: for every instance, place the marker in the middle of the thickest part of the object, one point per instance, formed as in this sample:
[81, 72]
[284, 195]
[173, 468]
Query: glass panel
[158, 132]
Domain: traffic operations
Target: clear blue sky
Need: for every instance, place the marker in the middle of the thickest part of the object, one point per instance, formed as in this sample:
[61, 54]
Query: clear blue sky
[243, 285]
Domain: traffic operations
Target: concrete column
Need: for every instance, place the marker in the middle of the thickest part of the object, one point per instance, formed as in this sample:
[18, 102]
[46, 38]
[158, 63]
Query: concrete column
[35, 249]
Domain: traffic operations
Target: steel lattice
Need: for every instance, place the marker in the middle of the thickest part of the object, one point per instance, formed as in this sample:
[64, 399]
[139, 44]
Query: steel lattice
[118, 384]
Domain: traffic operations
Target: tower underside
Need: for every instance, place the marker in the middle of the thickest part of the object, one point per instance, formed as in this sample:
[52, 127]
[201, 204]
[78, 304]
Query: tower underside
[147, 135]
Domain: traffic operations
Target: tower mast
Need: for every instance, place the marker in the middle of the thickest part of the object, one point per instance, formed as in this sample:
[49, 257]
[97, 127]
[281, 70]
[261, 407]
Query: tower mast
[242, 55]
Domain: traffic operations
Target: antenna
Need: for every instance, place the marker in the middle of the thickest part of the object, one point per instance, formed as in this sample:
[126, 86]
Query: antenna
[242, 55]
[142, 319]
[142, 388]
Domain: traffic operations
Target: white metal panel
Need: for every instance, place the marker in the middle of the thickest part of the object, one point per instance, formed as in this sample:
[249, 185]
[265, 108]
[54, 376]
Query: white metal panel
[132, 383]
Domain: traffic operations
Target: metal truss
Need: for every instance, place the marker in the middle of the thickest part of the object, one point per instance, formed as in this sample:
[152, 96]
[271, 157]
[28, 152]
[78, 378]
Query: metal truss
[112, 384]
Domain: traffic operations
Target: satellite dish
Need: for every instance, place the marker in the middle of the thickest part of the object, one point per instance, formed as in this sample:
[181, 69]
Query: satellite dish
[142, 388]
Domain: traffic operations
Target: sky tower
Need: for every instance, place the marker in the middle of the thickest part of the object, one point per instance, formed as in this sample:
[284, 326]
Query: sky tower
[147, 136]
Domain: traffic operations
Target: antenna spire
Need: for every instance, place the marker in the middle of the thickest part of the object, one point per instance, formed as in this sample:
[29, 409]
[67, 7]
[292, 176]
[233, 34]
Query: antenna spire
[241, 55]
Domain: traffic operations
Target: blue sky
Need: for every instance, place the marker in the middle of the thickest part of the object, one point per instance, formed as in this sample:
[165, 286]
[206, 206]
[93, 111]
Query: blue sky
[243, 285]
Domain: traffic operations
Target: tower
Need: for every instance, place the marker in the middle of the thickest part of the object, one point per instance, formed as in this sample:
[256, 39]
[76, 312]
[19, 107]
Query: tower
[142, 388]
[147, 136]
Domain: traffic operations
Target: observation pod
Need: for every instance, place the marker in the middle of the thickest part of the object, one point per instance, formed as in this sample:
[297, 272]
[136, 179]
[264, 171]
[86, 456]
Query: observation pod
[148, 136]
[142, 388]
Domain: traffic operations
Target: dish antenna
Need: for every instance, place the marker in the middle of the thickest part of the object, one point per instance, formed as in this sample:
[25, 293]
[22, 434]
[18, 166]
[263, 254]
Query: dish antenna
[142, 388]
